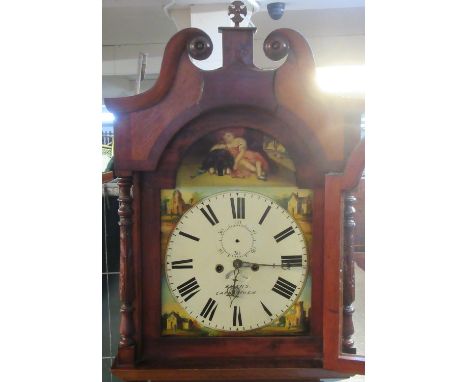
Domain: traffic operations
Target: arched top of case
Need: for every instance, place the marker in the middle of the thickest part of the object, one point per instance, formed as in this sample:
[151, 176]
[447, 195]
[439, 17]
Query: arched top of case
[184, 94]
[303, 150]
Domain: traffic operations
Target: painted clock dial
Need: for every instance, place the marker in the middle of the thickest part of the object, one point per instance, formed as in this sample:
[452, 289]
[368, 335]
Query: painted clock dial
[236, 261]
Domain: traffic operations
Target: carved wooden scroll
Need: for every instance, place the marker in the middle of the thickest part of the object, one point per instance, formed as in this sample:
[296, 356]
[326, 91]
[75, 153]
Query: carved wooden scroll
[127, 293]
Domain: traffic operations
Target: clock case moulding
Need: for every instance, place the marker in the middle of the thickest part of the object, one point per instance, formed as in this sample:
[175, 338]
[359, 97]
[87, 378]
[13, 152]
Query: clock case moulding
[154, 129]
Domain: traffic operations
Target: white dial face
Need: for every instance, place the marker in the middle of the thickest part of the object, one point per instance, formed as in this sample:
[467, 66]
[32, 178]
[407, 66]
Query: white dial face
[236, 261]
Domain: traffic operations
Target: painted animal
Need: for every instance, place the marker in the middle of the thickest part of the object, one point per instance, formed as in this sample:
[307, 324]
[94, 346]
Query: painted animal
[219, 160]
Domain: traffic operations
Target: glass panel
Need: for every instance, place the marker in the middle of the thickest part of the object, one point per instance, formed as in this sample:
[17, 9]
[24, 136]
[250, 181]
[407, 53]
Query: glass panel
[107, 140]
[353, 266]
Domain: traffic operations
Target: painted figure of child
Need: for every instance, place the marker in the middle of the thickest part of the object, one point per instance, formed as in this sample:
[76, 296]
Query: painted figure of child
[246, 161]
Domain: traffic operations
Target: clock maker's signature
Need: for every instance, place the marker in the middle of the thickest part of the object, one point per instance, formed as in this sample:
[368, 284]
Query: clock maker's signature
[239, 290]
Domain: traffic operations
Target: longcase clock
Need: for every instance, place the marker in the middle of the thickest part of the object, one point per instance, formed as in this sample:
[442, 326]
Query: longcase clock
[222, 214]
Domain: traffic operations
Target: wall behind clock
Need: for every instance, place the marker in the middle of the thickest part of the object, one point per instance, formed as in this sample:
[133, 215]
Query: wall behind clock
[336, 35]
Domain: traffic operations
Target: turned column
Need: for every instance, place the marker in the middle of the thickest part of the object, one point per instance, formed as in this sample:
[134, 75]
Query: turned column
[126, 286]
[347, 342]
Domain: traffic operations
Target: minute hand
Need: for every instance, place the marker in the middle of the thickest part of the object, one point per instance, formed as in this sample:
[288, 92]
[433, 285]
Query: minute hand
[256, 265]
[247, 264]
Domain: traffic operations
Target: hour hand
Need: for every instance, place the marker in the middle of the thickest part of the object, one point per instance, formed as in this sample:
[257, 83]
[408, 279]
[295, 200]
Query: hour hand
[233, 291]
[237, 265]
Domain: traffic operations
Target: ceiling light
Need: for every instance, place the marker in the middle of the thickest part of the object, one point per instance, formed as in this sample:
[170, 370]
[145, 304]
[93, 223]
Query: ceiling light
[345, 80]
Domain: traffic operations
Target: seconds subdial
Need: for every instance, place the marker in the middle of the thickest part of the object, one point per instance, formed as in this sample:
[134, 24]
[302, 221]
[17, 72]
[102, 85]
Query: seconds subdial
[237, 240]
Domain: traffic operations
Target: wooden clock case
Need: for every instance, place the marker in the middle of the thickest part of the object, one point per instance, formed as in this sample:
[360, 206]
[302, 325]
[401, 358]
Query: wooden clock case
[152, 132]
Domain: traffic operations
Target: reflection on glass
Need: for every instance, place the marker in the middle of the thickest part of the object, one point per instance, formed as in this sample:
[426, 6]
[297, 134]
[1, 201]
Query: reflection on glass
[353, 266]
[107, 140]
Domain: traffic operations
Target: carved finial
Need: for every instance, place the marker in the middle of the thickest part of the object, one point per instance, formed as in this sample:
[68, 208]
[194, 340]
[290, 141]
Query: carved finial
[237, 8]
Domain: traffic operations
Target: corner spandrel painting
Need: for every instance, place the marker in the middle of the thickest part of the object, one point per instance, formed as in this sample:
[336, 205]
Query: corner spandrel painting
[175, 321]
[236, 157]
